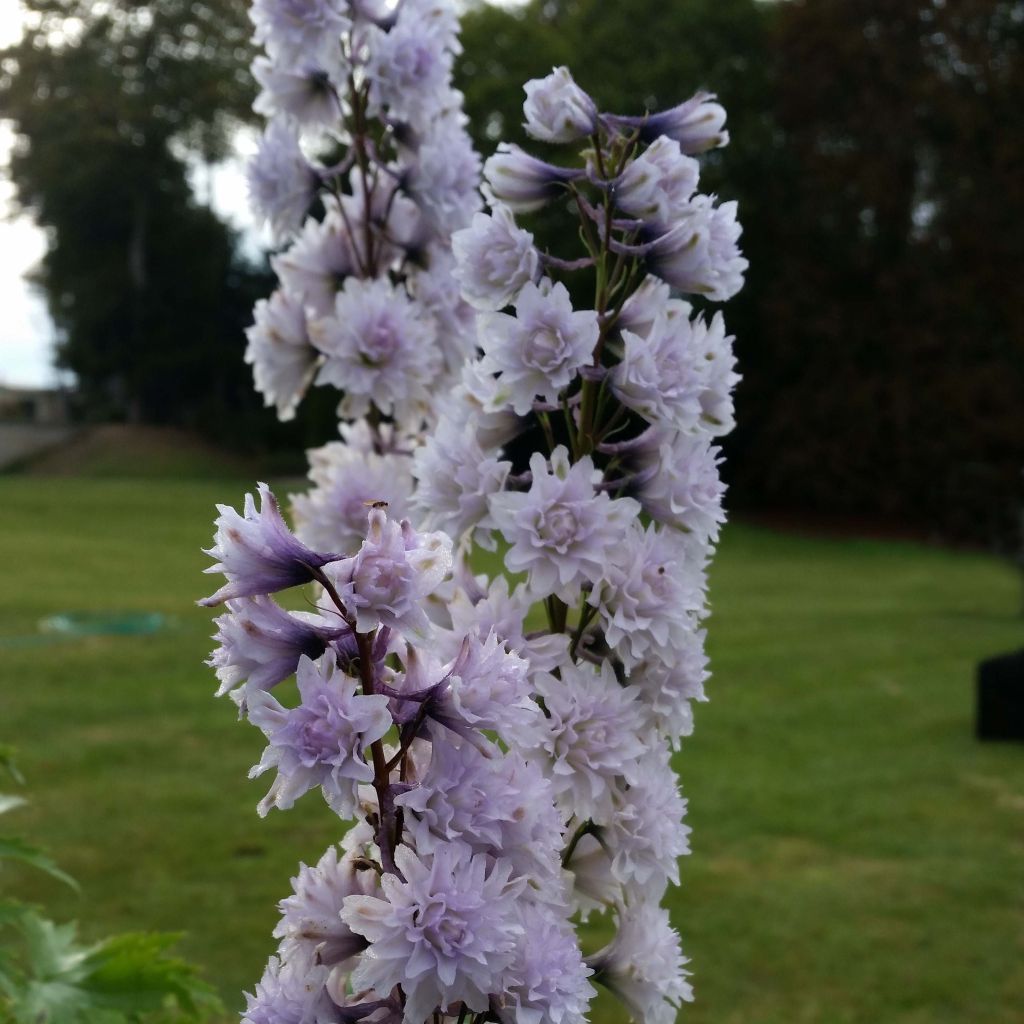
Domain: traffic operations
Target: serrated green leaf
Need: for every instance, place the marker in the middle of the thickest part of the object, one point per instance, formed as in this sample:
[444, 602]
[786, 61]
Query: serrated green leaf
[8, 802]
[12, 848]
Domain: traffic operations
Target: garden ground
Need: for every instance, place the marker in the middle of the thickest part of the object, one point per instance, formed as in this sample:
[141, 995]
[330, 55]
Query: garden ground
[857, 855]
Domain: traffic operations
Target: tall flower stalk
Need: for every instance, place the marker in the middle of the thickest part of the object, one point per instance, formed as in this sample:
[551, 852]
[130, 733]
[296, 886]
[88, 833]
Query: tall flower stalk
[505, 781]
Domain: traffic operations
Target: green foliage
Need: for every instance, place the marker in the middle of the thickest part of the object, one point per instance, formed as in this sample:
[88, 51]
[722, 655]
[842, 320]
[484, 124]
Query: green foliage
[48, 976]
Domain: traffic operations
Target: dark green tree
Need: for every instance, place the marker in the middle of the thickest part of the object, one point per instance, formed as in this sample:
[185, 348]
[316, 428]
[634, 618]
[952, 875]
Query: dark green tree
[142, 281]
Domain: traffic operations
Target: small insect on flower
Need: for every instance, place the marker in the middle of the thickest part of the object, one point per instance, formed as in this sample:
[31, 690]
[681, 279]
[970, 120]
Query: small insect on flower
[379, 503]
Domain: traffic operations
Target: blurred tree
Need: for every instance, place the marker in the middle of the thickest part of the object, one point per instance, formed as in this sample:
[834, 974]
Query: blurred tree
[110, 99]
[895, 337]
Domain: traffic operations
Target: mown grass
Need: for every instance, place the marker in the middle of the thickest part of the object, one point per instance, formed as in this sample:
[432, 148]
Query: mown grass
[858, 856]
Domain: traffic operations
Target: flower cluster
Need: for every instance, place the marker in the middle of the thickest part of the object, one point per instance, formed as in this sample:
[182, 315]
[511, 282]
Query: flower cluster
[613, 521]
[506, 780]
[436, 901]
[363, 172]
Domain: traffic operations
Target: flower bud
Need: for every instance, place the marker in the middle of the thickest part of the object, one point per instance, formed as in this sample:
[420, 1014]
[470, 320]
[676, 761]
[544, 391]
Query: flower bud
[557, 109]
[697, 125]
[522, 182]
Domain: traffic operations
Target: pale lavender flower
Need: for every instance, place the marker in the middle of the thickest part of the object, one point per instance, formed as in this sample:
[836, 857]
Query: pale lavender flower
[700, 253]
[282, 183]
[646, 835]
[293, 30]
[494, 259]
[475, 401]
[378, 350]
[720, 376]
[540, 350]
[662, 376]
[679, 483]
[316, 264]
[257, 552]
[347, 480]
[433, 288]
[557, 109]
[303, 92]
[455, 478]
[697, 125]
[409, 70]
[260, 643]
[311, 928]
[522, 182]
[594, 887]
[650, 302]
[446, 931]
[651, 593]
[666, 690]
[282, 357]
[323, 741]
[643, 965]
[562, 530]
[548, 978]
[590, 736]
[290, 993]
[657, 185]
[501, 806]
[444, 176]
[396, 568]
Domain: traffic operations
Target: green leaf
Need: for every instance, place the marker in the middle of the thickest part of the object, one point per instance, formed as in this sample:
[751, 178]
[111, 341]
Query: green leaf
[7, 763]
[12, 848]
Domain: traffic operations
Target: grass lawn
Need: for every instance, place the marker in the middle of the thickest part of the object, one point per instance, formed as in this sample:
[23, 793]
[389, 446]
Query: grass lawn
[857, 855]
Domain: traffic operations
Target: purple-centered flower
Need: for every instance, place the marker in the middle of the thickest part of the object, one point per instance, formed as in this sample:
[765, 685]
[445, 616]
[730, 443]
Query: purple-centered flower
[590, 736]
[643, 965]
[282, 184]
[290, 993]
[501, 806]
[494, 259]
[282, 357]
[562, 529]
[548, 978]
[393, 572]
[651, 594]
[304, 92]
[294, 30]
[697, 125]
[323, 741]
[700, 252]
[557, 109]
[522, 182]
[658, 183]
[261, 643]
[446, 931]
[311, 928]
[679, 483]
[316, 264]
[540, 350]
[257, 552]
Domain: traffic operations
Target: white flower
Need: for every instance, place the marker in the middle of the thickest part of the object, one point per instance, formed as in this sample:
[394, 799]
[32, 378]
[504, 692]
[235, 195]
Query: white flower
[680, 485]
[720, 377]
[434, 288]
[455, 478]
[409, 70]
[651, 594]
[557, 109]
[540, 349]
[494, 259]
[304, 92]
[646, 835]
[657, 184]
[282, 184]
[444, 177]
[643, 965]
[313, 268]
[347, 480]
[378, 348]
[548, 976]
[562, 530]
[296, 30]
[282, 357]
[446, 931]
[590, 736]
[311, 927]
[323, 741]
[666, 689]
[700, 253]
